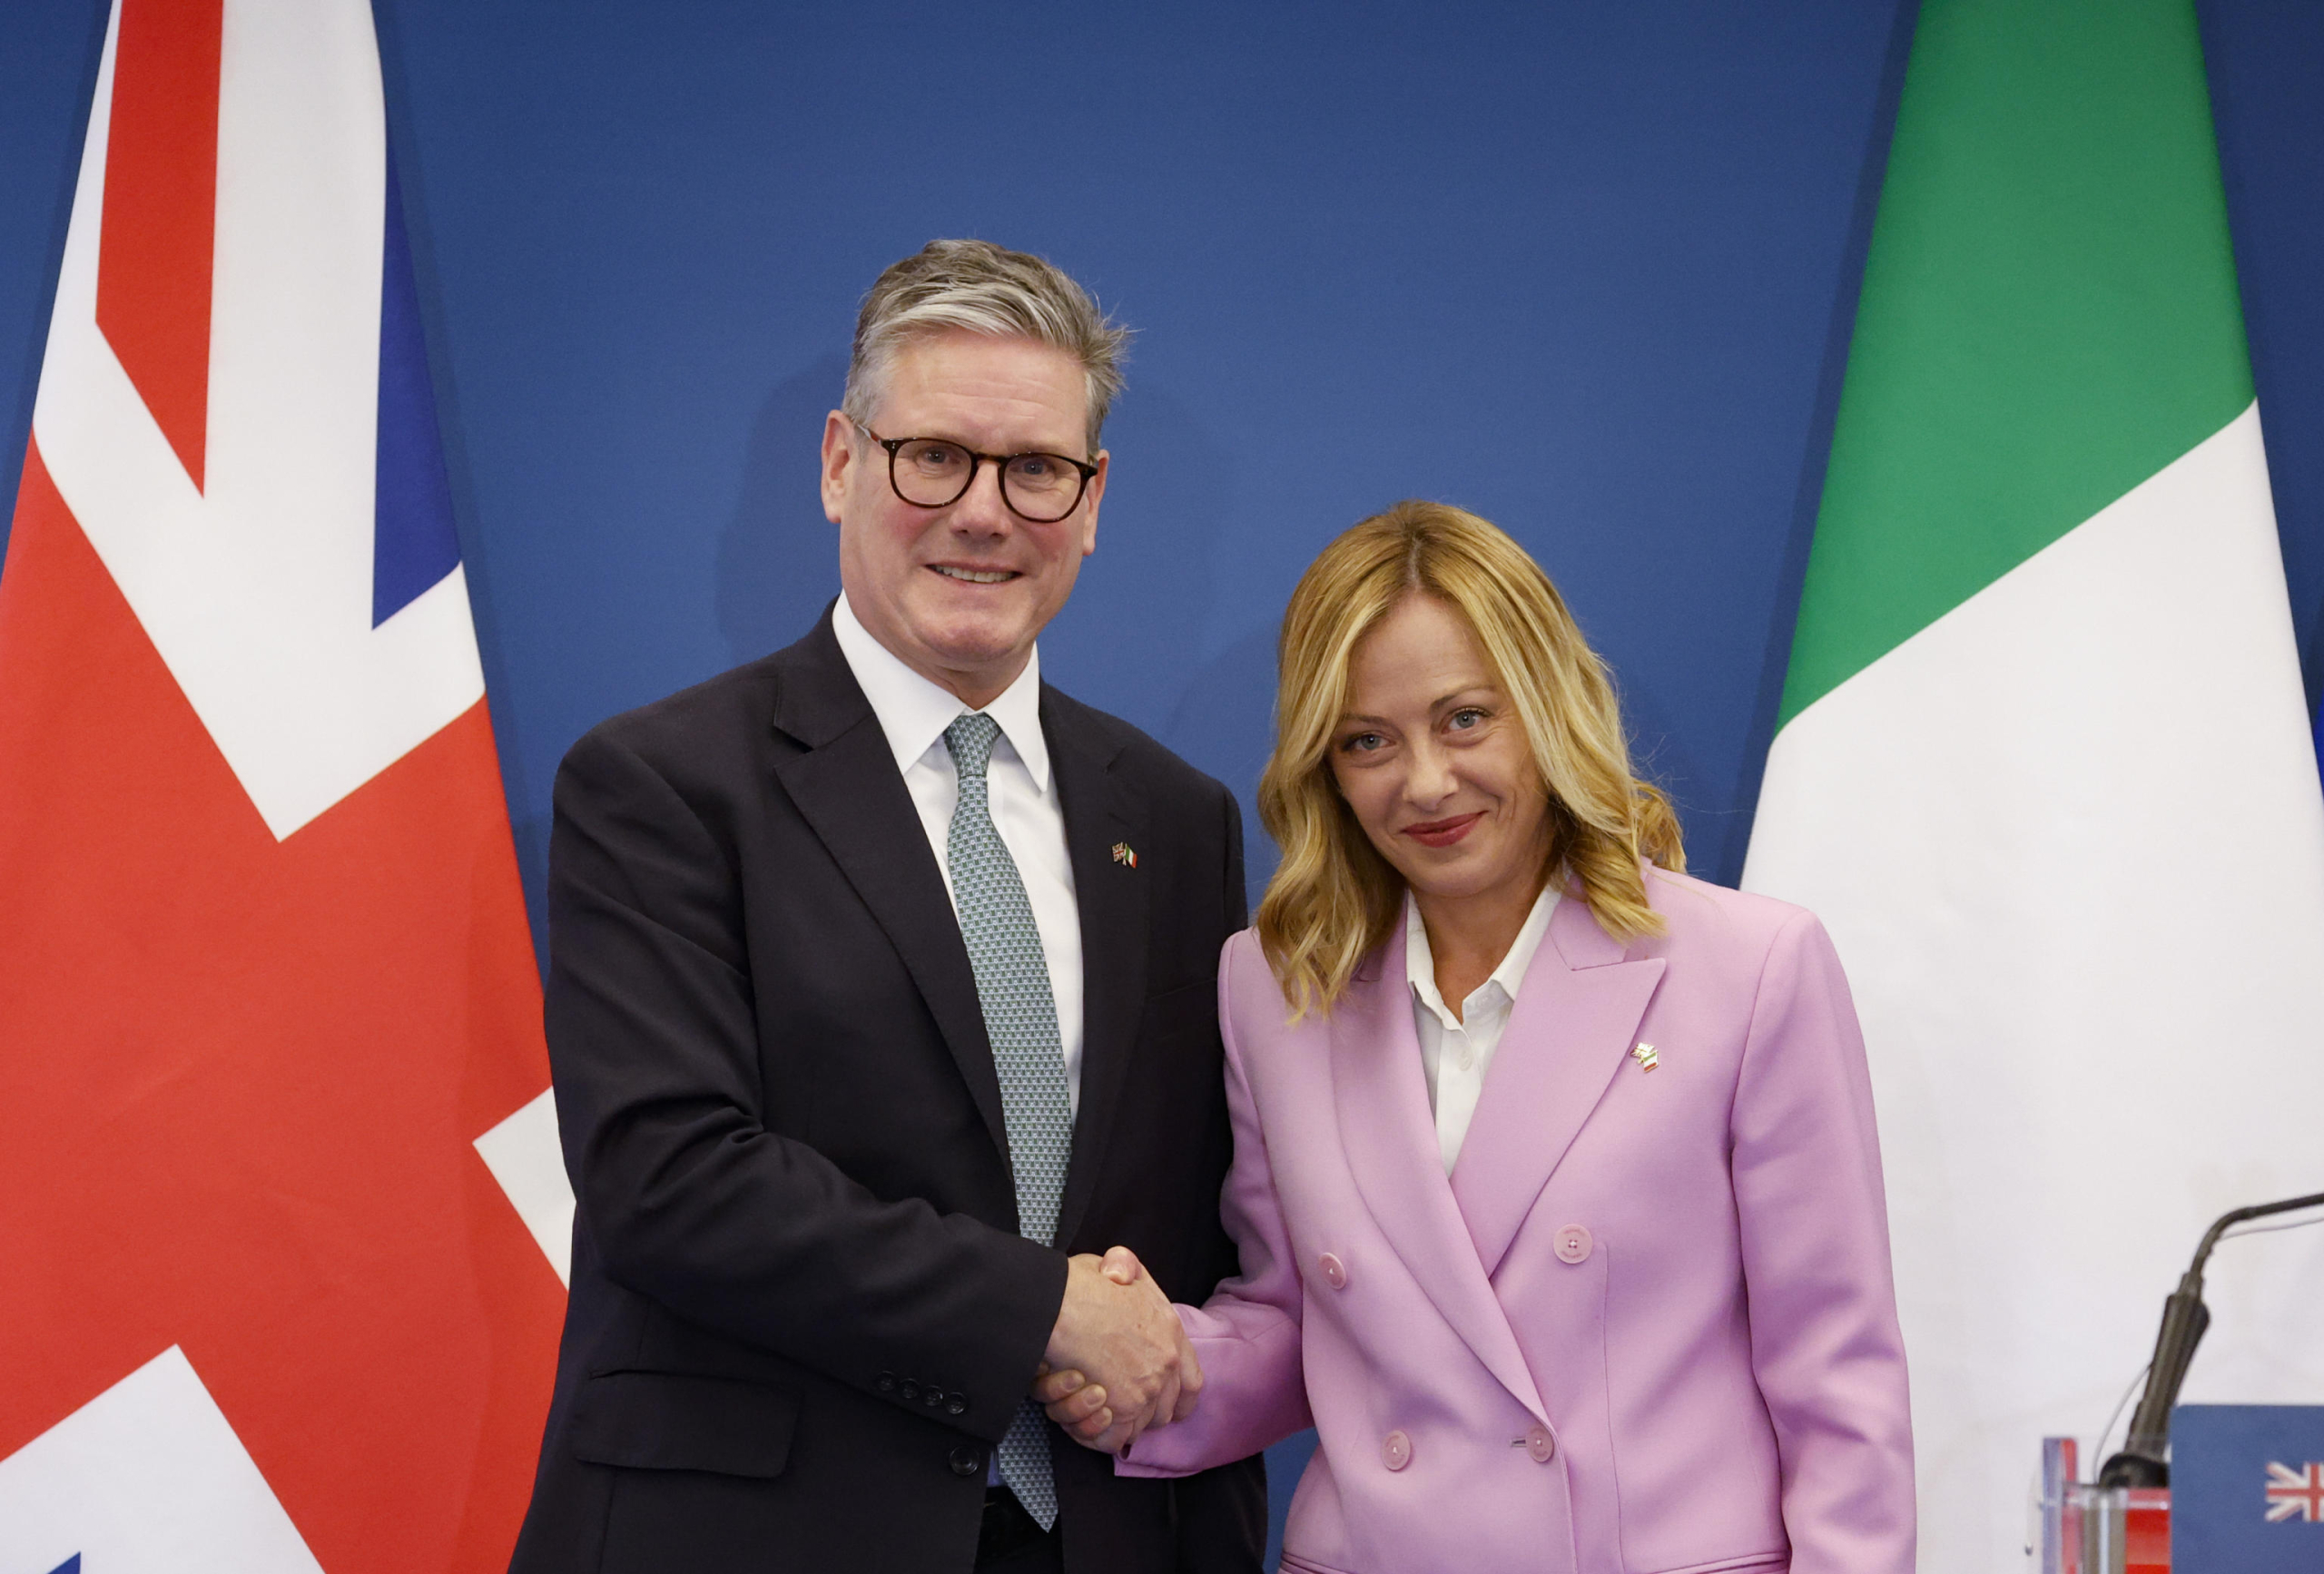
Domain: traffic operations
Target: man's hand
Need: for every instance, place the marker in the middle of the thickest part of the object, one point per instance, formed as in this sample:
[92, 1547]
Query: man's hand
[1072, 1401]
[1119, 1362]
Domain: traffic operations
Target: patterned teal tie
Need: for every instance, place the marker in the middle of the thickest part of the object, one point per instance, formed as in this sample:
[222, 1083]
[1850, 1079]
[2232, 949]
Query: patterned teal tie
[1020, 1020]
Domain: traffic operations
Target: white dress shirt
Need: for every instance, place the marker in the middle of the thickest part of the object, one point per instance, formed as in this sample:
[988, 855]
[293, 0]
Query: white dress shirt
[1456, 1053]
[913, 713]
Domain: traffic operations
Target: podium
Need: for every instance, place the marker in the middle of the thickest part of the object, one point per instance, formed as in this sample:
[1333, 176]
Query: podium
[2246, 1497]
[2247, 1483]
[2078, 1527]
[2249, 1478]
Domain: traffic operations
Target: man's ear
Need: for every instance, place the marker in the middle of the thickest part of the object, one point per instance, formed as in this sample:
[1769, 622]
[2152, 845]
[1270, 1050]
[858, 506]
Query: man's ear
[839, 462]
[1096, 494]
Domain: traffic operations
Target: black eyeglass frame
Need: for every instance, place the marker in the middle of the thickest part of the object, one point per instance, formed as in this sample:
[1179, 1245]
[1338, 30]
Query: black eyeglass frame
[976, 462]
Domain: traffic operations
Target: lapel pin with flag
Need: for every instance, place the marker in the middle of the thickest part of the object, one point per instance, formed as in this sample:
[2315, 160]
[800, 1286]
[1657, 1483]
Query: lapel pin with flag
[1123, 854]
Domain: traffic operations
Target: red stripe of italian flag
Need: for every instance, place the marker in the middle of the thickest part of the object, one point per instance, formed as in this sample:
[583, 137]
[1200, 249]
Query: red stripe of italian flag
[2042, 763]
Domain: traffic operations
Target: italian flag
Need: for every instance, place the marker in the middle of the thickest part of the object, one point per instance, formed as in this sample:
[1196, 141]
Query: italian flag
[2043, 763]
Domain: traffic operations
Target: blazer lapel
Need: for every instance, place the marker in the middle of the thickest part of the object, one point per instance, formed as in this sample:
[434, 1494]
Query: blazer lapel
[846, 785]
[1103, 810]
[1382, 1098]
[1568, 1032]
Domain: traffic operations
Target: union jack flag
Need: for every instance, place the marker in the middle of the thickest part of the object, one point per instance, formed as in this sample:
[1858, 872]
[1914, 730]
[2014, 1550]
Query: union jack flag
[280, 1207]
[2294, 1493]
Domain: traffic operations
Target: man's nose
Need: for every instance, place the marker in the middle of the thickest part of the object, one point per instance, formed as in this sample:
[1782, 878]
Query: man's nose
[982, 509]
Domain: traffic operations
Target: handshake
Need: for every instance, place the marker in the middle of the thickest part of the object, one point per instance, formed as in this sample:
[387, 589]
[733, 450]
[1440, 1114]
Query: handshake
[1118, 1360]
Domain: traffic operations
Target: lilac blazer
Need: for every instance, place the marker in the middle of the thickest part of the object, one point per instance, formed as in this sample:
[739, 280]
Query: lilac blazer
[1647, 1325]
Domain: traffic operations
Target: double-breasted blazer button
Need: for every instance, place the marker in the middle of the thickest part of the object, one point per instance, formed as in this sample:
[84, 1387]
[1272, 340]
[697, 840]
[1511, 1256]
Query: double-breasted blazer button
[966, 1460]
[933, 1398]
[1335, 1272]
[885, 1384]
[1574, 1244]
[1540, 1444]
[909, 1390]
[1395, 1451]
[956, 1404]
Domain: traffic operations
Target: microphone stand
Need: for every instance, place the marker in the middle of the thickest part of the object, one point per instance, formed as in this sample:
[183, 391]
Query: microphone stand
[2140, 1462]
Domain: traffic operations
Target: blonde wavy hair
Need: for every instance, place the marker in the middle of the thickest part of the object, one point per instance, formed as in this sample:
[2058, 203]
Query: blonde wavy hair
[1334, 899]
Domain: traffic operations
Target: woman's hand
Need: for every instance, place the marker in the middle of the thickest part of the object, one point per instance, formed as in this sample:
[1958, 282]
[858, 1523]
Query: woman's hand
[1079, 1407]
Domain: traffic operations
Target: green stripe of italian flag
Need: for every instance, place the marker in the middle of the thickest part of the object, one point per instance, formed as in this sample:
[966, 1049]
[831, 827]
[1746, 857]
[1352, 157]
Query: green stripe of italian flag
[2043, 763]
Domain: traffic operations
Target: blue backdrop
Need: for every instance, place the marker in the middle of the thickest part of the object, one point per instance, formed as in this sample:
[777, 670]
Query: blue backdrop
[1585, 269]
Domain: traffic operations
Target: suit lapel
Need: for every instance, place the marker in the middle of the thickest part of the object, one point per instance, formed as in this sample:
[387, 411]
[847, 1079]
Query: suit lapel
[1102, 810]
[1568, 1032]
[847, 787]
[1382, 1098]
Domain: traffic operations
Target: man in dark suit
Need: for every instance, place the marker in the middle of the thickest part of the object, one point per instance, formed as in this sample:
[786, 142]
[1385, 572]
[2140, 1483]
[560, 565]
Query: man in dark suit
[881, 1001]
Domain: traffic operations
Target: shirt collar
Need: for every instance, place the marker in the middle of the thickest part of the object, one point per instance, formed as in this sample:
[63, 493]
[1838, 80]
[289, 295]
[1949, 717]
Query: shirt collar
[913, 713]
[1419, 961]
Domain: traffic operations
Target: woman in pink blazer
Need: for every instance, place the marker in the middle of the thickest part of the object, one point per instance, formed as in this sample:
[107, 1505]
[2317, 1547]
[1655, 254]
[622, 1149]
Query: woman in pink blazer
[1589, 1273]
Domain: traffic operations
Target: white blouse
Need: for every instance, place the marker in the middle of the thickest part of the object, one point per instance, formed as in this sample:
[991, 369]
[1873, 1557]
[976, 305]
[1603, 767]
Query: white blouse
[1456, 1053]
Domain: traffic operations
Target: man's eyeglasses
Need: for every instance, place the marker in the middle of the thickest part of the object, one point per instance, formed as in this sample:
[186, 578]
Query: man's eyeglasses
[931, 472]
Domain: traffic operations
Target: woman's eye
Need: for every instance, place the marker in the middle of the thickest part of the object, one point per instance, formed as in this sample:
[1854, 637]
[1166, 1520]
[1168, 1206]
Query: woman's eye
[1360, 743]
[1465, 718]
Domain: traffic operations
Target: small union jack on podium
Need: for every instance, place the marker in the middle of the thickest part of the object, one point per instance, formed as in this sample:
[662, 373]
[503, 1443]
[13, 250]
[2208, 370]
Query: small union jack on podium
[2295, 1494]
[2247, 1489]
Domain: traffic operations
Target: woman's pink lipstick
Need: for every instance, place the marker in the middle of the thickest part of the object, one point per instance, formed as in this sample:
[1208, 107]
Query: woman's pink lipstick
[1443, 833]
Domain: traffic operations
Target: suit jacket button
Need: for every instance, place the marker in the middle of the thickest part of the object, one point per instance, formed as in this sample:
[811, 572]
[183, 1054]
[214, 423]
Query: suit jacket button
[885, 1384]
[1335, 1272]
[909, 1390]
[1540, 1444]
[956, 1404]
[967, 1461]
[1574, 1244]
[1395, 1451]
[933, 1398]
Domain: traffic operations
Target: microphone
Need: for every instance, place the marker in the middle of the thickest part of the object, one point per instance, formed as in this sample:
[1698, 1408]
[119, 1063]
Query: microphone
[2140, 1462]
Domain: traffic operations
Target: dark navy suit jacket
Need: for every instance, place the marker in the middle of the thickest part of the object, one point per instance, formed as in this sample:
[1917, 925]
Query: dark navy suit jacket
[802, 1315]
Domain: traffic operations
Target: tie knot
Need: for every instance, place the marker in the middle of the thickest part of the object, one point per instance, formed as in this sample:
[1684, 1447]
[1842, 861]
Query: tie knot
[970, 738]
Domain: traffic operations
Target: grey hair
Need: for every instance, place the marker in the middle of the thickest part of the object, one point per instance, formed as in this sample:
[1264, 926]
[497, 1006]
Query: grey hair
[981, 287]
